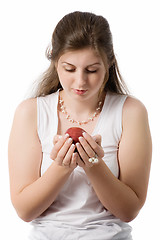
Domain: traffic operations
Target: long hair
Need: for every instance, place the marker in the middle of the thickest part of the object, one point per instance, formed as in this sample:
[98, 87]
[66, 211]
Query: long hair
[79, 30]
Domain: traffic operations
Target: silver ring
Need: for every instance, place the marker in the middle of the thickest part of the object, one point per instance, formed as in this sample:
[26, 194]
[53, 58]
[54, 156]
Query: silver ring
[93, 159]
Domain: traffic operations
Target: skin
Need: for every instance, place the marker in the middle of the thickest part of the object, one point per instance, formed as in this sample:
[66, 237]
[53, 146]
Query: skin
[32, 193]
[89, 71]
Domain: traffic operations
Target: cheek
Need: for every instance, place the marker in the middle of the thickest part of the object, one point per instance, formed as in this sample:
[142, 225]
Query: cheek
[61, 75]
[98, 80]
[102, 78]
[64, 80]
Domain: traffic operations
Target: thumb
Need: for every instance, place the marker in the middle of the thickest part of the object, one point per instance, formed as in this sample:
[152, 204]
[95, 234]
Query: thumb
[56, 138]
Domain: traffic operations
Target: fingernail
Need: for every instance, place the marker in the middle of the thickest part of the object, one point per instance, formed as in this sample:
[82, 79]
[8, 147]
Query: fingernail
[69, 140]
[66, 136]
[84, 134]
[80, 138]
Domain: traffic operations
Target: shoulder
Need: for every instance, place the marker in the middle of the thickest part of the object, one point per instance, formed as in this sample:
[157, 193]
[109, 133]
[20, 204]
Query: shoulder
[24, 126]
[135, 123]
[133, 110]
[27, 105]
[133, 103]
[26, 111]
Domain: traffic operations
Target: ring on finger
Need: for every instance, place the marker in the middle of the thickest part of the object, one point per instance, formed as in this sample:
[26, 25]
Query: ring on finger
[94, 159]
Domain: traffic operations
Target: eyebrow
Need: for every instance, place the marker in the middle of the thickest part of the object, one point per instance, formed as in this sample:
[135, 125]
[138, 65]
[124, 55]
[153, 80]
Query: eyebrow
[90, 65]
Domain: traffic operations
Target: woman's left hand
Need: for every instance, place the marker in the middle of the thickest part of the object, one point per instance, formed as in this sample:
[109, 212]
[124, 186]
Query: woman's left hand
[89, 147]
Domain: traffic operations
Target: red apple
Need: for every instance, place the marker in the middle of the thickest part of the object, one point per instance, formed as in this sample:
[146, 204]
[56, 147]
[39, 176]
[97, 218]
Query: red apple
[75, 133]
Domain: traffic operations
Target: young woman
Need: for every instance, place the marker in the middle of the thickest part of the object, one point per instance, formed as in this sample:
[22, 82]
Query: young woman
[93, 192]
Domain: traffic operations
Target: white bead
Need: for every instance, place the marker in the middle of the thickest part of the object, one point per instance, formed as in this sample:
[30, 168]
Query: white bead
[62, 107]
[96, 160]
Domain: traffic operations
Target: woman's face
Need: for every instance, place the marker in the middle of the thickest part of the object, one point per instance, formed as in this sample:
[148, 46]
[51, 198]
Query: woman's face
[81, 73]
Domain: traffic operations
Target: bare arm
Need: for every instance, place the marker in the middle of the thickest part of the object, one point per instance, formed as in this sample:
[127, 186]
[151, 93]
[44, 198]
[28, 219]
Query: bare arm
[32, 193]
[124, 197]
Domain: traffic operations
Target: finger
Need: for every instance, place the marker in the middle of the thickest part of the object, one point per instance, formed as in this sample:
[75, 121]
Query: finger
[58, 146]
[74, 160]
[83, 155]
[63, 151]
[79, 161]
[56, 138]
[86, 147]
[68, 157]
[98, 139]
[96, 147]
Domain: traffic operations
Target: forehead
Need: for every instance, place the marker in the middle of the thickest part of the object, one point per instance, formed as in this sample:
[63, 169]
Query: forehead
[81, 57]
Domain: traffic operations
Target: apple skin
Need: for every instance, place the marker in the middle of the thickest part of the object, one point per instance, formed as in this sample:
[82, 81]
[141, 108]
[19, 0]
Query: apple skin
[75, 133]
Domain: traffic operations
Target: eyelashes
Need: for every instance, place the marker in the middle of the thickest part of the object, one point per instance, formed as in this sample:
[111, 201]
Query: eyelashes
[69, 70]
[93, 71]
[88, 71]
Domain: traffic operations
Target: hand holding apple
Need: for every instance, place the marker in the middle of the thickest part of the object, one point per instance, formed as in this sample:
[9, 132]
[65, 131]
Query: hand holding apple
[75, 133]
[88, 147]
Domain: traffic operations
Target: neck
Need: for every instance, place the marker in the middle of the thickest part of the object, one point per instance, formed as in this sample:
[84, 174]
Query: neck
[79, 107]
[79, 111]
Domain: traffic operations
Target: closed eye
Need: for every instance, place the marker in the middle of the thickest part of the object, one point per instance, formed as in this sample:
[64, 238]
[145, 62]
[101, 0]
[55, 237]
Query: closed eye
[70, 70]
[89, 71]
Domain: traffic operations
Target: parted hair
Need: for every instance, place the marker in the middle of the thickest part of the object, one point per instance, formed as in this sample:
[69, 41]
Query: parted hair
[80, 30]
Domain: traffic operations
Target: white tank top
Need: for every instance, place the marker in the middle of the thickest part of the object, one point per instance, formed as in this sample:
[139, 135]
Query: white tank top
[77, 213]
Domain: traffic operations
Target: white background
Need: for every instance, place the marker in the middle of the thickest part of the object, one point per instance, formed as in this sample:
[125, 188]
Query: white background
[25, 32]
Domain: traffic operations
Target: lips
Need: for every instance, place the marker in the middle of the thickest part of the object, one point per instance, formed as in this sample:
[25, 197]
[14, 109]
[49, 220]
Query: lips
[80, 92]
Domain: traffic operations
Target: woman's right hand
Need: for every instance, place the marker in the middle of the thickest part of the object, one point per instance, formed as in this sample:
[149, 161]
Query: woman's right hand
[63, 152]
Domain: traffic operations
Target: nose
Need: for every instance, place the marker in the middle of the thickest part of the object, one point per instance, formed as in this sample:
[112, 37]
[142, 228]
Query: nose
[81, 79]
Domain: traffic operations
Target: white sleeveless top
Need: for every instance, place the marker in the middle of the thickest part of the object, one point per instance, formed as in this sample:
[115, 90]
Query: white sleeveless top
[77, 213]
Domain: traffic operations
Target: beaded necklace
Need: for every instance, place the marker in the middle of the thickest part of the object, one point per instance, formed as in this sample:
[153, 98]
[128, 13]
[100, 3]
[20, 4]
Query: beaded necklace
[68, 117]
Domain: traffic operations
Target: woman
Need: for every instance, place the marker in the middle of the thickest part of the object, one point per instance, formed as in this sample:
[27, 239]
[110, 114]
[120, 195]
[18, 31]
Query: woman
[91, 189]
